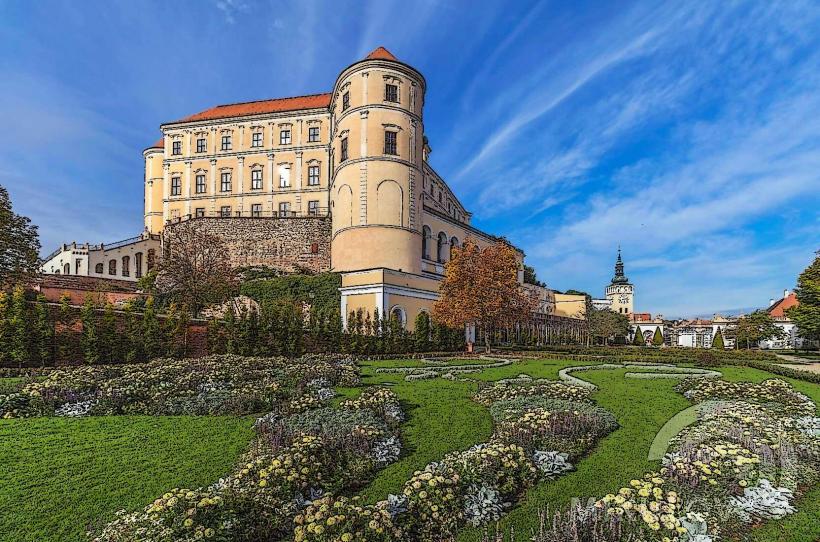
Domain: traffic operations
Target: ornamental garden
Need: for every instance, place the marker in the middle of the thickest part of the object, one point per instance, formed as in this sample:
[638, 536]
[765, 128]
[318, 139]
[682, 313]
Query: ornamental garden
[569, 444]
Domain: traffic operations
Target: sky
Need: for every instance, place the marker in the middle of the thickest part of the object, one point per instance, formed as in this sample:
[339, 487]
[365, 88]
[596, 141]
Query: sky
[688, 133]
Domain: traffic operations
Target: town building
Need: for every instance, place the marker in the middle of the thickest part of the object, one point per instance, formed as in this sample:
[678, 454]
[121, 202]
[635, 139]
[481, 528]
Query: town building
[127, 260]
[777, 310]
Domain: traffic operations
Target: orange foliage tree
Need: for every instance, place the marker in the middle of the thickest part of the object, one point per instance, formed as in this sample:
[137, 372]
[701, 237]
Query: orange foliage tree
[481, 287]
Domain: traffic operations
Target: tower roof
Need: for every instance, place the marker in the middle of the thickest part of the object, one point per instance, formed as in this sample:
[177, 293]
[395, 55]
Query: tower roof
[619, 277]
[380, 53]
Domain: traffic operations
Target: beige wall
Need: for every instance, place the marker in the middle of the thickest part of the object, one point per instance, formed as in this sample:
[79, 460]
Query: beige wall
[570, 306]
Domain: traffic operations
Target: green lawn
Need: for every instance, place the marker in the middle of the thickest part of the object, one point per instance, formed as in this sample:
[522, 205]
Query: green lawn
[58, 476]
[443, 418]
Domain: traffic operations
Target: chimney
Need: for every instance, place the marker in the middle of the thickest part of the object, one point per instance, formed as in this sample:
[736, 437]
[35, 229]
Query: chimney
[785, 294]
[771, 302]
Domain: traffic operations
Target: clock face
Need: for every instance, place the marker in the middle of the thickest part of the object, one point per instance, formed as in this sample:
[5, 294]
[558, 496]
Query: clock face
[624, 299]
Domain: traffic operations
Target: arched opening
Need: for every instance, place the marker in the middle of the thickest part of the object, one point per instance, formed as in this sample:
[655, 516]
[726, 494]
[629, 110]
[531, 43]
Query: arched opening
[343, 210]
[112, 267]
[389, 204]
[441, 243]
[126, 266]
[426, 235]
[399, 316]
[138, 265]
[453, 245]
[66, 269]
[99, 268]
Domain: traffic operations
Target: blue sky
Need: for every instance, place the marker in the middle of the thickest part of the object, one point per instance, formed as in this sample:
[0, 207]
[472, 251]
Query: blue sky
[688, 132]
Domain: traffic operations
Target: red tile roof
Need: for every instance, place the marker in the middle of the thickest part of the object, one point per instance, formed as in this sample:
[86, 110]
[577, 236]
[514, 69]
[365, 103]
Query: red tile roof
[313, 101]
[380, 53]
[778, 309]
[159, 144]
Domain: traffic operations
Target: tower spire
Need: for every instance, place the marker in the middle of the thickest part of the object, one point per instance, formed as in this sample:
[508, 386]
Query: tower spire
[619, 277]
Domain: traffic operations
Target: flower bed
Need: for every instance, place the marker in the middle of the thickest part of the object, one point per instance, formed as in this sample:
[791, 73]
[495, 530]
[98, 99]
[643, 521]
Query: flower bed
[297, 461]
[752, 451]
[212, 385]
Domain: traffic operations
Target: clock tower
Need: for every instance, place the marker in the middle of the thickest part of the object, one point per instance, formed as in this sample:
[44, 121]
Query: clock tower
[620, 292]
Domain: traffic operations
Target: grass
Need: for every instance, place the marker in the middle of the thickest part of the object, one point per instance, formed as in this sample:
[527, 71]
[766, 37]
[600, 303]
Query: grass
[61, 475]
[443, 418]
[81, 471]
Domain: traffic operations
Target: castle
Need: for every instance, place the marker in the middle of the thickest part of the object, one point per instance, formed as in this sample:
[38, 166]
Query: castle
[620, 294]
[327, 182]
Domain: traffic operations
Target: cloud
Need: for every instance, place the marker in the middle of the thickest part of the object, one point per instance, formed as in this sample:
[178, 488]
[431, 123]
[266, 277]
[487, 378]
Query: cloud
[231, 8]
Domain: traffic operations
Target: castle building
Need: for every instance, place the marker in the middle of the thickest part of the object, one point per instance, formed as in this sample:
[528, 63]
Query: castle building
[338, 181]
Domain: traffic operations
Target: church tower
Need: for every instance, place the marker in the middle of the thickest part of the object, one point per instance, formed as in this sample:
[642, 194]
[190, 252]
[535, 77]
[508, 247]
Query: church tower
[620, 291]
[377, 160]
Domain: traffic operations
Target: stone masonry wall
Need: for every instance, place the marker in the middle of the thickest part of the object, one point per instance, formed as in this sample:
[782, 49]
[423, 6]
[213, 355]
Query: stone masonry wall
[287, 244]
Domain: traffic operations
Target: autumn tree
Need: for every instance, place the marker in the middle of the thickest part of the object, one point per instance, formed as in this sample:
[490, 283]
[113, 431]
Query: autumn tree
[194, 271]
[19, 245]
[806, 315]
[481, 287]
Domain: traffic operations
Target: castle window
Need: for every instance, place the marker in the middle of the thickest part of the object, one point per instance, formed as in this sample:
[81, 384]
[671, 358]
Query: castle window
[226, 142]
[345, 101]
[284, 176]
[256, 179]
[284, 208]
[256, 210]
[284, 137]
[426, 235]
[201, 145]
[391, 93]
[225, 185]
[225, 211]
[397, 315]
[200, 184]
[176, 148]
[314, 248]
[176, 186]
[112, 267]
[98, 269]
[126, 266]
[67, 269]
[390, 145]
[313, 207]
[313, 134]
[441, 242]
[138, 265]
[199, 212]
[256, 140]
[453, 246]
[343, 152]
[77, 264]
[313, 175]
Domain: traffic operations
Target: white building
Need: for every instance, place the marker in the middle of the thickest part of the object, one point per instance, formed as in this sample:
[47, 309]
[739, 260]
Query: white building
[777, 310]
[129, 259]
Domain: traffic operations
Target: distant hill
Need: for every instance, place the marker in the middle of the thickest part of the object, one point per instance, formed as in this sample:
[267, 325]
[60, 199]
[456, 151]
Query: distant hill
[726, 312]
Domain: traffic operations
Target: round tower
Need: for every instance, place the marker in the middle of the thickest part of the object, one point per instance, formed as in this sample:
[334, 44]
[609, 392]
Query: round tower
[376, 149]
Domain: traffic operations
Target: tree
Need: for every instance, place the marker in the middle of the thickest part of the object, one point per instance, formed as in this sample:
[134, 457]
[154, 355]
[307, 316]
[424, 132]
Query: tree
[806, 315]
[90, 340]
[19, 327]
[422, 332]
[62, 328]
[481, 287]
[109, 336]
[639, 339]
[717, 342]
[756, 327]
[152, 336]
[606, 325]
[531, 278]
[194, 271]
[176, 331]
[657, 338]
[44, 330]
[19, 245]
[132, 336]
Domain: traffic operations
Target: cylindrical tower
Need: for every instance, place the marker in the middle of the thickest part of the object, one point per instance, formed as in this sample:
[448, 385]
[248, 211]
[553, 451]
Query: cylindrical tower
[376, 149]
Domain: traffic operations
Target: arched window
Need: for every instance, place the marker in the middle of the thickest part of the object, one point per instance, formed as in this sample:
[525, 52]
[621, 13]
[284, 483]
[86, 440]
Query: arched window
[441, 242]
[138, 265]
[426, 235]
[99, 268]
[126, 266]
[66, 269]
[112, 267]
[453, 244]
[397, 313]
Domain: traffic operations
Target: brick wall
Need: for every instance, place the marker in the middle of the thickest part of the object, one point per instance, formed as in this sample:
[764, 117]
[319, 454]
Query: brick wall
[287, 244]
[79, 287]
